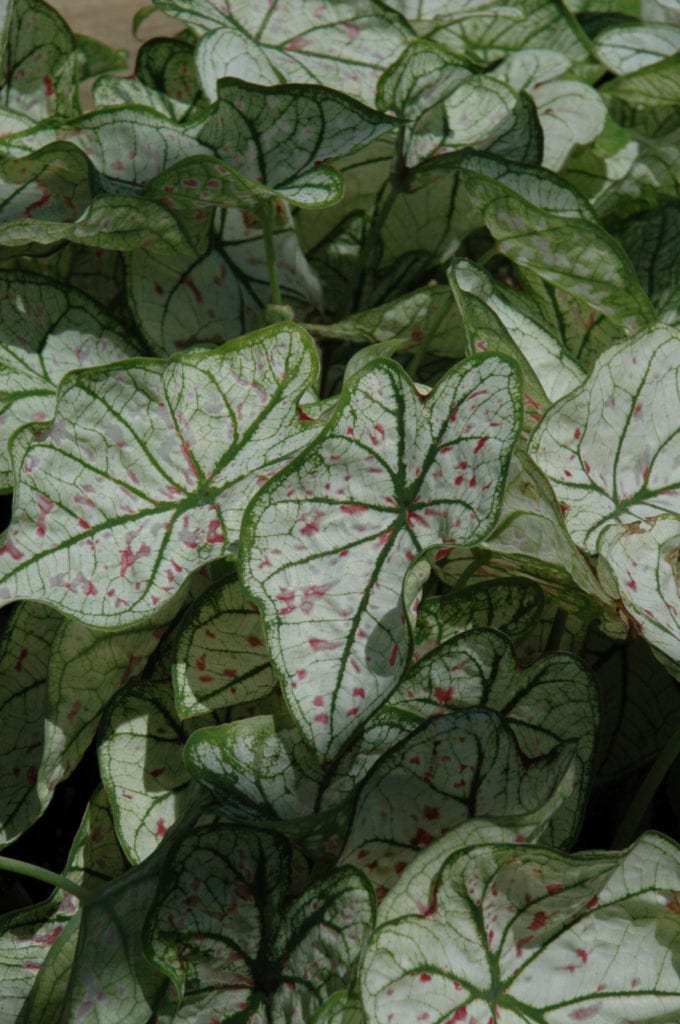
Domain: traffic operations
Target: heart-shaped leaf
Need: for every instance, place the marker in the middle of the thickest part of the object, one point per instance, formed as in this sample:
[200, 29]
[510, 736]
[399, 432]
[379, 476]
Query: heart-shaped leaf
[629, 48]
[46, 331]
[609, 448]
[530, 934]
[551, 703]
[388, 479]
[38, 71]
[219, 931]
[136, 505]
[455, 766]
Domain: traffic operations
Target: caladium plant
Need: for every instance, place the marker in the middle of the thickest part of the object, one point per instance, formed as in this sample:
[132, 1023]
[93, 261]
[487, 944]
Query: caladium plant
[339, 404]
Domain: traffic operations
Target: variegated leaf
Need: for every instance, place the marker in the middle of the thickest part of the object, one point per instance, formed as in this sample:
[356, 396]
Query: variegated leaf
[327, 545]
[145, 472]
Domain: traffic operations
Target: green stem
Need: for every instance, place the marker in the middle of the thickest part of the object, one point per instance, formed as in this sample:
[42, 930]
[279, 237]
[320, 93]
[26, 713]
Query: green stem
[487, 256]
[629, 826]
[266, 216]
[20, 867]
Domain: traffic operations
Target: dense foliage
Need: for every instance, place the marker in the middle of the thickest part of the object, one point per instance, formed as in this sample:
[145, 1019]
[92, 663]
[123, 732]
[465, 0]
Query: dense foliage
[339, 406]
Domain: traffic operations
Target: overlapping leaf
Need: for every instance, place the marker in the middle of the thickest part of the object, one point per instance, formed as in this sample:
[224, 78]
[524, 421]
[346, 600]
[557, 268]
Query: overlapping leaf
[454, 767]
[531, 934]
[609, 448]
[219, 930]
[342, 45]
[327, 545]
[145, 472]
[38, 75]
[179, 299]
[221, 658]
[46, 331]
[540, 222]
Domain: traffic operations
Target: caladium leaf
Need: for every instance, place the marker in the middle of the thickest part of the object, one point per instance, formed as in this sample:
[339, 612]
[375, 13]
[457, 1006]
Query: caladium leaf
[539, 222]
[24, 656]
[644, 560]
[629, 48]
[446, 105]
[551, 703]
[388, 506]
[486, 32]
[149, 497]
[608, 449]
[455, 766]
[341, 1008]
[510, 606]
[28, 936]
[141, 766]
[167, 66]
[221, 658]
[530, 540]
[46, 331]
[38, 73]
[651, 240]
[539, 353]
[532, 934]
[180, 299]
[218, 928]
[341, 45]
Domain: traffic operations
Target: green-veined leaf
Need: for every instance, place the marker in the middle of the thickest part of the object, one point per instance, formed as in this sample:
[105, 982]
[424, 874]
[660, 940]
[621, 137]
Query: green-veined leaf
[136, 489]
[326, 547]
[609, 448]
[532, 934]
[38, 73]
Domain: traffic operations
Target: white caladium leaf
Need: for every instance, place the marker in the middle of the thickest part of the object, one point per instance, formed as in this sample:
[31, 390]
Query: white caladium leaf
[341, 45]
[445, 103]
[219, 931]
[609, 448]
[531, 540]
[486, 32]
[551, 703]
[341, 1008]
[178, 299]
[150, 496]
[644, 559]
[46, 331]
[528, 934]
[629, 48]
[24, 657]
[361, 505]
[510, 606]
[455, 766]
[167, 66]
[28, 936]
[86, 668]
[221, 658]
[540, 222]
[539, 353]
[141, 766]
[651, 240]
[38, 75]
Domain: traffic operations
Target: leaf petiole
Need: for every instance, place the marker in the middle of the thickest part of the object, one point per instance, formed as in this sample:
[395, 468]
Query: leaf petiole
[20, 867]
[266, 216]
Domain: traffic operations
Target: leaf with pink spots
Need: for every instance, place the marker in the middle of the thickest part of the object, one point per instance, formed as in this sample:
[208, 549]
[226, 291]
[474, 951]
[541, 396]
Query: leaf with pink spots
[221, 658]
[449, 768]
[220, 932]
[47, 331]
[145, 471]
[342, 44]
[610, 448]
[39, 66]
[525, 933]
[327, 545]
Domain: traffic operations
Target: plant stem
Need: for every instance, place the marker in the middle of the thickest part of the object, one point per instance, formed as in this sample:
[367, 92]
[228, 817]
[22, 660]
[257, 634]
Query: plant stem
[266, 215]
[629, 825]
[20, 867]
